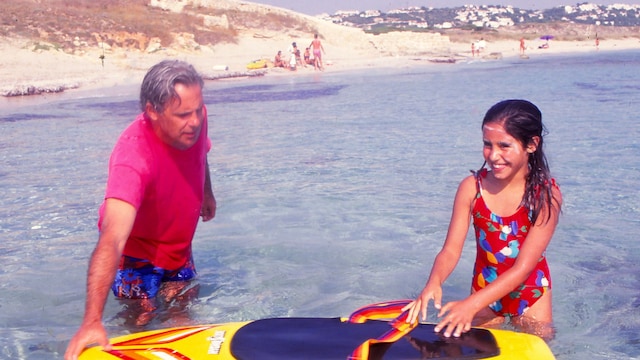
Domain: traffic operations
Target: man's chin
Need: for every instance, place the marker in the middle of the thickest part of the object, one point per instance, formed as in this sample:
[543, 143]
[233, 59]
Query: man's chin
[184, 145]
[186, 142]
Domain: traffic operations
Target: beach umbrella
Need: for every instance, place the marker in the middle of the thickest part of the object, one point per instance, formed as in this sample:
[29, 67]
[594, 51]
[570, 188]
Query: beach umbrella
[546, 37]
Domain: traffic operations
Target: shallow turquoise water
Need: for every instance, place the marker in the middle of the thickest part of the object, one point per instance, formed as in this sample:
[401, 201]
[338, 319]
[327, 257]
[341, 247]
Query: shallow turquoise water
[335, 191]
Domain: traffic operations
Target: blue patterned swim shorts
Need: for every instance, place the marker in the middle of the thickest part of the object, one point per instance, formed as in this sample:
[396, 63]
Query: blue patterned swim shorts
[140, 279]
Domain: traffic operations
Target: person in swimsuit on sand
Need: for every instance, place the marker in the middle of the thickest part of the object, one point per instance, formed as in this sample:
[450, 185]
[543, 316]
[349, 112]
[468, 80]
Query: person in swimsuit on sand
[278, 62]
[157, 189]
[318, 49]
[514, 205]
[307, 56]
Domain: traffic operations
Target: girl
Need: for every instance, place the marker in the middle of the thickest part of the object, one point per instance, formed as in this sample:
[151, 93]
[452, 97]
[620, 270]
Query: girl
[514, 205]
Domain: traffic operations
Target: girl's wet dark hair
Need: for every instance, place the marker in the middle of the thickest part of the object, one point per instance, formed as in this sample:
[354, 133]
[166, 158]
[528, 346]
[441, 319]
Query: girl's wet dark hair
[523, 120]
[158, 85]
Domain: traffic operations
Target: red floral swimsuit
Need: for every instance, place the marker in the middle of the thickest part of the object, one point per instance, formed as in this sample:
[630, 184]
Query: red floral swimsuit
[498, 241]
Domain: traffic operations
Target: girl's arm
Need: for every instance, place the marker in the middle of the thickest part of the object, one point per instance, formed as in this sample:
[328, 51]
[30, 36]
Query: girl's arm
[459, 314]
[446, 260]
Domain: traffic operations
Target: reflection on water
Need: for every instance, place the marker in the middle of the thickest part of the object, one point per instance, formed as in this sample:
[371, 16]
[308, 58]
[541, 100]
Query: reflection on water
[268, 93]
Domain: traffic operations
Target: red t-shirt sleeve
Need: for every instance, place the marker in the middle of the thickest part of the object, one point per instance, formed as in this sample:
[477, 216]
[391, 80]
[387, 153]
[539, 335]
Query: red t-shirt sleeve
[129, 167]
[125, 183]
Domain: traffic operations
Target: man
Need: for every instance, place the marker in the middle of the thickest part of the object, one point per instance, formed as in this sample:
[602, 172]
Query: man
[158, 187]
[318, 49]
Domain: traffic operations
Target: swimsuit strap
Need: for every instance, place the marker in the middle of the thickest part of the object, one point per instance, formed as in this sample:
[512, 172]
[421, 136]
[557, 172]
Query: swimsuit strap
[479, 175]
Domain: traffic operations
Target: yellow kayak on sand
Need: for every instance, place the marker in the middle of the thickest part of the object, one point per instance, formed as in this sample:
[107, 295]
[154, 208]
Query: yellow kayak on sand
[371, 332]
[258, 64]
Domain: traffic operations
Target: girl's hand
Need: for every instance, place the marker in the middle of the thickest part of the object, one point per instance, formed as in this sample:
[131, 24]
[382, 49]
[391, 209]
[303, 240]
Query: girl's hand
[419, 306]
[457, 317]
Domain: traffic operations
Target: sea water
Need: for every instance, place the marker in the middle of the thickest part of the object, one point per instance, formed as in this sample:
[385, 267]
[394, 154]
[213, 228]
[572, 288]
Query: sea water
[334, 191]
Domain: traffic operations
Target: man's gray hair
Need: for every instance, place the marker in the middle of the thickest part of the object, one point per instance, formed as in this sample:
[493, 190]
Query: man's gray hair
[158, 86]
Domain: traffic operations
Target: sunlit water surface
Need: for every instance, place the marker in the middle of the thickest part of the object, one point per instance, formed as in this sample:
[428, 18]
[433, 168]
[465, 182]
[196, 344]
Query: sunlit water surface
[334, 191]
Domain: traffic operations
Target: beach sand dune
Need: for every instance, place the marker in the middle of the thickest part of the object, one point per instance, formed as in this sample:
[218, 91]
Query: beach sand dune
[30, 66]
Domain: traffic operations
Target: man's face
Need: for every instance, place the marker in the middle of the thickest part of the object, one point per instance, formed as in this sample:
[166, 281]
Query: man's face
[180, 123]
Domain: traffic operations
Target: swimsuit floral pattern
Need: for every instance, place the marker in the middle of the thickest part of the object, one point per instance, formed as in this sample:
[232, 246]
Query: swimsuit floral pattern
[498, 242]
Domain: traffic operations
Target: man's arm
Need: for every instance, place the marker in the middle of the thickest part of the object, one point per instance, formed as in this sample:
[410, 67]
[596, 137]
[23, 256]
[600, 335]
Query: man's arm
[209, 205]
[117, 223]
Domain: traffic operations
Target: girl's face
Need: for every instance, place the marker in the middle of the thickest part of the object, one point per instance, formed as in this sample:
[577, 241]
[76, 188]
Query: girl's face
[505, 155]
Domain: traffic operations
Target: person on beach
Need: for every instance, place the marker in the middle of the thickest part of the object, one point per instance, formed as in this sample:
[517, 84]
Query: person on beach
[293, 48]
[299, 58]
[317, 49]
[307, 57]
[482, 44]
[278, 62]
[157, 188]
[514, 205]
[522, 46]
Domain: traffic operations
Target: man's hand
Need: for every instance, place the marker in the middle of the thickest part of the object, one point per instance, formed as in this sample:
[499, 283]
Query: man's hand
[92, 333]
[209, 206]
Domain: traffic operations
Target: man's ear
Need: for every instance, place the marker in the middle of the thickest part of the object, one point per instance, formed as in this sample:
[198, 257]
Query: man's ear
[151, 111]
[533, 144]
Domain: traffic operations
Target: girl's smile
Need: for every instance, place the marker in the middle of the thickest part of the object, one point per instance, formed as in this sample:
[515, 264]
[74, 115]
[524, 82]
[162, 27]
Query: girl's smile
[504, 154]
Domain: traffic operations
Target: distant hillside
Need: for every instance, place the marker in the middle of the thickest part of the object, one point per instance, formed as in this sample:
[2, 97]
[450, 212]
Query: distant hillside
[73, 26]
[488, 16]
[496, 22]
[136, 24]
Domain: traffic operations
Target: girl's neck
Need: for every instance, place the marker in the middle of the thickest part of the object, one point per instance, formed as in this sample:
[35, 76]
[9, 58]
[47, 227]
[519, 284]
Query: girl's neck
[503, 197]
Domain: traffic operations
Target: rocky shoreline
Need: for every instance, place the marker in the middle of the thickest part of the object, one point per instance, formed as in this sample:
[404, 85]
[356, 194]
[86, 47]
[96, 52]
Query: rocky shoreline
[26, 90]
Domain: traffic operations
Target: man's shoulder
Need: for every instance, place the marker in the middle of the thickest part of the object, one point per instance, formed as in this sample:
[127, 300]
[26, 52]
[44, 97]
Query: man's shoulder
[135, 142]
[137, 131]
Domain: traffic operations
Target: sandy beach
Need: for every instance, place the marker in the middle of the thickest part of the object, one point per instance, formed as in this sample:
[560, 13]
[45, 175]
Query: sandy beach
[28, 68]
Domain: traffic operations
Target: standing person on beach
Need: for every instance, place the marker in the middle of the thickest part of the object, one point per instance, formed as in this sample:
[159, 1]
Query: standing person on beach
[522, 46]
[514, 205]
[318, 49]
[482, 44]
[293, 48]
[158, 186]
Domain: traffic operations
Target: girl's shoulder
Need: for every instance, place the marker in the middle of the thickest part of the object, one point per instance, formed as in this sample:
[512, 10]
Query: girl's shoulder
[475, 179]
[469, 180]
[555, 192]
[468, 187]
